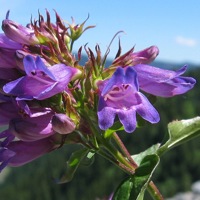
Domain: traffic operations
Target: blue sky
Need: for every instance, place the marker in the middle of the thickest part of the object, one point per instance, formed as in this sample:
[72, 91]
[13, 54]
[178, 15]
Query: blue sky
[172, 25]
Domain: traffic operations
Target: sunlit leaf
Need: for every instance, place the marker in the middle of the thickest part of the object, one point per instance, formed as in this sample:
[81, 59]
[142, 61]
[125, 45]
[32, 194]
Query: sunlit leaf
[180, 132]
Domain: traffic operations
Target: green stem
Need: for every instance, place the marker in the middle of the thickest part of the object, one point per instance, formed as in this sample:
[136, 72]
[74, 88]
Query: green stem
[126, 163]
[152, 189]
[110, 148]
[154, 192]
[124, 149]
[71, 45]
[115, 162]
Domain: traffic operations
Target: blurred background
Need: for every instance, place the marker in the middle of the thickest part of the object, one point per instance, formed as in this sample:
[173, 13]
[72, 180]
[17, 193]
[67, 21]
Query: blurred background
[174, 27]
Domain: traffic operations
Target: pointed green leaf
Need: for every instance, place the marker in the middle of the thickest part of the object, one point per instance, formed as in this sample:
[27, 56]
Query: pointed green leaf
[73, 164]
[143, 175]
[180, 132]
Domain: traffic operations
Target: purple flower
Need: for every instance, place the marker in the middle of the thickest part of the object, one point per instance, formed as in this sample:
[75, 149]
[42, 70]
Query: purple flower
[34, 127]
[145, 56]
[7, 43]
[120, 96]
[19, 33]
[164, 83]
[131, 58]
[17, 153]
[40, 81]
[28, 151]
[8, 65]
[8, 111]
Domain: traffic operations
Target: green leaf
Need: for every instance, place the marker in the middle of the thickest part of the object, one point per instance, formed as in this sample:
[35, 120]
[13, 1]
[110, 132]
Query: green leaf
[151, 150]
[116, 127]
[72, 165]
[124, 190]
[180, 132]
[143, 175]
[134, 187]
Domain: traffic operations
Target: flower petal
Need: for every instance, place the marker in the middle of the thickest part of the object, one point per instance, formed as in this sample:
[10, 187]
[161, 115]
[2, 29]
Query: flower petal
[6, 42]
[32, 128]
[161, 82]
[106, 115]
[40, 82]
[146, 110]
[128, 119]
[117, 78]
[28, 151]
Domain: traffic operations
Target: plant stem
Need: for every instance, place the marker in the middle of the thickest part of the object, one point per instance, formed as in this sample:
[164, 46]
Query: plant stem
[154, 192]
[124, 149]
[152, 189]
[124, 162]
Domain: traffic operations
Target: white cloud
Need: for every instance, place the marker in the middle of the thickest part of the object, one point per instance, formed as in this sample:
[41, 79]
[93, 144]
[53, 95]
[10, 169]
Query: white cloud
[189, 42]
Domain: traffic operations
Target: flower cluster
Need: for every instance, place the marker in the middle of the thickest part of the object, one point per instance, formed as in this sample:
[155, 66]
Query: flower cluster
[48, 98]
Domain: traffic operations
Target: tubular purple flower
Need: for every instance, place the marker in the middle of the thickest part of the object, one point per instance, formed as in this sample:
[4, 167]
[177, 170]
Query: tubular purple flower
[7, 43]
[7, 52]
[26, 152]
[8, 111]
[17, 153]
[7, 58]
[35, 127]
[62, 124]
[120, 96]
[163, 83]
[40, 82]
[19, 33]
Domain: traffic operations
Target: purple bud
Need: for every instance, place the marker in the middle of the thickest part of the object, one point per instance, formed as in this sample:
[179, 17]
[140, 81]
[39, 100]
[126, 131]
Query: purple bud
[145, 56]
[131, 58]
[62, 124]
[25, 152]
[19, 33]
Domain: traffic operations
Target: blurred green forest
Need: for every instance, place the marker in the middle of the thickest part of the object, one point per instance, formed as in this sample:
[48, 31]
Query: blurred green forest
[178, 169]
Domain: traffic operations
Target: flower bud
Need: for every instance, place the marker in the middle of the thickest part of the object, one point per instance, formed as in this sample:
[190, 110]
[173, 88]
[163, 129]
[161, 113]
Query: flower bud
[19, 33]
[77, 29]
[131, 58]
[62, 124]
[145, 56]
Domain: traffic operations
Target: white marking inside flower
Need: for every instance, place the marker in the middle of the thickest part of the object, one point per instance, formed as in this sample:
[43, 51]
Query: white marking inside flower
[122, 89]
